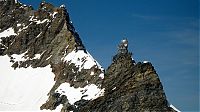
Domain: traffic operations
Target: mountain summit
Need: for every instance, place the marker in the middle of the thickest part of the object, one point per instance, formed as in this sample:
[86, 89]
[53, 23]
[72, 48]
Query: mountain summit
[50, 65]
[130, 87]
[45, 66]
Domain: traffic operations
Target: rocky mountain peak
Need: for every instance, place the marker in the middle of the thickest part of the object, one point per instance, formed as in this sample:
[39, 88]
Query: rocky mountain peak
[130, 87]
[43, 38]
[32, 41]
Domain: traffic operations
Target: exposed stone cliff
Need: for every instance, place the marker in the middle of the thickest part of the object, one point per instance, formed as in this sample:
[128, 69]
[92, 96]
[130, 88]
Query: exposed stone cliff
[130, 87]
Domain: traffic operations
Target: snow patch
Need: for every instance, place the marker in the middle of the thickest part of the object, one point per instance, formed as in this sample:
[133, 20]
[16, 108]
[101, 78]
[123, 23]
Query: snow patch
[101, 75]
[39, 35]
[54, 14]
[24, 27]
[37, 56]
[18, 85]
[92, 73]
[172, 106]
[49, 57]
[81, 59]
[23, 57]
[38, 21]
[114, 88]
[19, 24]
[8, 32]
[43, 21]
[89, 92]
[19, 57]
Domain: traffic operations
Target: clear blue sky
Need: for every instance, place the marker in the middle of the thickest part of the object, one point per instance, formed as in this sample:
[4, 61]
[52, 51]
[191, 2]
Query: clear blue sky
[164, 32]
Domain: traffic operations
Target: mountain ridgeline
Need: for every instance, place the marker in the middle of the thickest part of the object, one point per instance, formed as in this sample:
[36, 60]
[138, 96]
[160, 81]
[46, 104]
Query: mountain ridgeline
[45, 38]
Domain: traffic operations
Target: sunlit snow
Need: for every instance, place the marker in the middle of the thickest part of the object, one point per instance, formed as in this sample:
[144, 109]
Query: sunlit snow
[82, 60]
[18, 25]
[23, 57]
[101, 75]
[43, 21]
[54, 14]
[172, 106]
[24, 88]
[8, 32]
[37, 56]
[19, 57]
[75, 94]
[24, 28]
[92, 73]
[38, 21]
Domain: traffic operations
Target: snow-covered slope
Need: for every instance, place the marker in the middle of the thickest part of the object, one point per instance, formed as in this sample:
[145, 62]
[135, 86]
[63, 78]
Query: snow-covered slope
[83, 60]
[27, 88]
[23, 88]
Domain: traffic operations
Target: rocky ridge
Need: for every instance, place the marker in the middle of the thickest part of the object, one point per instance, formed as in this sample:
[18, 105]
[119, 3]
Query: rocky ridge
[130, 87]
[43, 37]
[38, 38]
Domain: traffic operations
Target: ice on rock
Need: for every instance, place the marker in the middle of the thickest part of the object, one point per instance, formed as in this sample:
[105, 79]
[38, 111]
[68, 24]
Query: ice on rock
[54, 14]
[172, 106]
[8, 32]
[43, 21]
[32, 19]
[114, 88]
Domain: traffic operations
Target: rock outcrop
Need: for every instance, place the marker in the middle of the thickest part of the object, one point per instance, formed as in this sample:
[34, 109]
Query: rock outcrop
[38, 38]
[130, 87]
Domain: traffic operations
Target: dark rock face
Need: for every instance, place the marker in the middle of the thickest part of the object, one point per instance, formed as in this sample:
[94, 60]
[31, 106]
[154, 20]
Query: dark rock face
[130, 87]
[49, 32]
